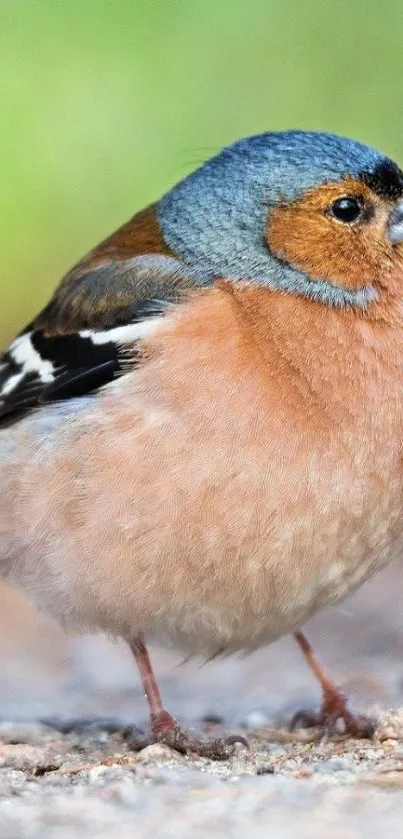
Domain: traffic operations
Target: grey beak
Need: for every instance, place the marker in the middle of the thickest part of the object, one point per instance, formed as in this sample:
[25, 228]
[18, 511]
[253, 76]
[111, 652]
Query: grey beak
[395, 224]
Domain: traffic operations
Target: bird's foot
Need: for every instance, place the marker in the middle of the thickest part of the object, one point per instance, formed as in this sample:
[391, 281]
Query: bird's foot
[166, 730]
[334, 708]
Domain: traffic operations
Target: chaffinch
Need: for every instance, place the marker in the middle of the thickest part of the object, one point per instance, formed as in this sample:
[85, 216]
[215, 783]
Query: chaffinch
[201, 433]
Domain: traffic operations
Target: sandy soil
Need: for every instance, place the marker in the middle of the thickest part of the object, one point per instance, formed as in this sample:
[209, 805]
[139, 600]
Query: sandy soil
[87, 783]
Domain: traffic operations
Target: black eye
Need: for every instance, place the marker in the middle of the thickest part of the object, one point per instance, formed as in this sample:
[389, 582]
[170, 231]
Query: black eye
[346, 209]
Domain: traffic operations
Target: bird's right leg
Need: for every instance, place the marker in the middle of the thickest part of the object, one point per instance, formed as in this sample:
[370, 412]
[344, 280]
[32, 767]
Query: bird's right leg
[334, 702]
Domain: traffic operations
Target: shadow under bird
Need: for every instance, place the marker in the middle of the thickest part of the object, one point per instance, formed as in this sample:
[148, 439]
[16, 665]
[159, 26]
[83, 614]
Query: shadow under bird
[201, 434]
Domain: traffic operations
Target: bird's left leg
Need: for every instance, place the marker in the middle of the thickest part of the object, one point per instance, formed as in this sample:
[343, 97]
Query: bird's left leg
[164, 727]
[334, 702]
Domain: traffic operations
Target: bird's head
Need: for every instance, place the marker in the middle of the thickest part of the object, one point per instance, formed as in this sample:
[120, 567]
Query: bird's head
[309, 213]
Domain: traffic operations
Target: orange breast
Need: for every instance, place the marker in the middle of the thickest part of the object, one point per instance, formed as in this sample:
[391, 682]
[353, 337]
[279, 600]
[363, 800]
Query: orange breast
[248, 473]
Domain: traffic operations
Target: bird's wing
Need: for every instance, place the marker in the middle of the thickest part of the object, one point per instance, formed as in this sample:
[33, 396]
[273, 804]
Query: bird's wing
[81, 340]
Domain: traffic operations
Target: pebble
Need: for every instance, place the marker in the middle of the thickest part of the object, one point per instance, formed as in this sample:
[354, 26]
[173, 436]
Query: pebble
[156, 751]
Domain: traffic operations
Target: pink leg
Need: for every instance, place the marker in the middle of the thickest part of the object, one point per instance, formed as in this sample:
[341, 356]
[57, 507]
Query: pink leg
[161, 720]
[334, 702]
[164, 728]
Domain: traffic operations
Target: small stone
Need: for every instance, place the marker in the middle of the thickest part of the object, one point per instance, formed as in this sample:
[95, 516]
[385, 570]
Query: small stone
[22, 756]
[156, 751]
[97, 772]
[265, 769]
[390, 727]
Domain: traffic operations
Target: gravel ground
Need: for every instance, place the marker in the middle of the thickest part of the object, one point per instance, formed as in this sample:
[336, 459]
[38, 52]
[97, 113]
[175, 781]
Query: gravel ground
[55, 785]
[72, 782]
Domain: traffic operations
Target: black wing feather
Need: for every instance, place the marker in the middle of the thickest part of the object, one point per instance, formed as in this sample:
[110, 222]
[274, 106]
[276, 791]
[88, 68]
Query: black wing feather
[60, 355]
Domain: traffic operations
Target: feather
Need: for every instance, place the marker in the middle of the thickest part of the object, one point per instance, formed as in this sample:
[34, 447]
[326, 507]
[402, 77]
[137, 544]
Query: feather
[88, 333]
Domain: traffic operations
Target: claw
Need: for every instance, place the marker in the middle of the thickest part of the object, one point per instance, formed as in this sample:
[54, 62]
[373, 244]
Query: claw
[185, 742]
[334, 708]
[334, 703]
[304, 719]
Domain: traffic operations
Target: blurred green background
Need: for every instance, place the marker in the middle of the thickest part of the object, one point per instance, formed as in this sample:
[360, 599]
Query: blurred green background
[105, 103]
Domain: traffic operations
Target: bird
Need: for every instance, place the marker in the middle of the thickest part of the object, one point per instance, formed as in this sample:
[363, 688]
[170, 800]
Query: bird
[201, 433]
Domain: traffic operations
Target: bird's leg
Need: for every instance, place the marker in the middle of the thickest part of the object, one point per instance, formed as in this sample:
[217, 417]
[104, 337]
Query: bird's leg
[161, 720]
[164, 727]
[334, 702]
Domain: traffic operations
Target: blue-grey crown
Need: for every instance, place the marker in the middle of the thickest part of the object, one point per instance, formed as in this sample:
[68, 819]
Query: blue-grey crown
[216, 217]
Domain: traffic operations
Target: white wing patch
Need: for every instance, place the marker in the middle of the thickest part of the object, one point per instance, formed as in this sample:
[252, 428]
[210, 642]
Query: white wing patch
[26, 358]
[124, 334]
[11, 383]
[93, 356]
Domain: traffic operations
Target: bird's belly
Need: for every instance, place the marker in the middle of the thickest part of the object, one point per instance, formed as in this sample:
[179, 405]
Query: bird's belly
[209, 631]
[200, 542]
[257, 596]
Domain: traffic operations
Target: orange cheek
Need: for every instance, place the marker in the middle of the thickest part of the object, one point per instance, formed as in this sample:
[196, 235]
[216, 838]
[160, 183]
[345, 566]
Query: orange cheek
[304, 236]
